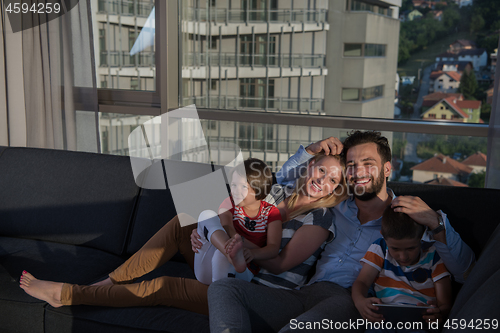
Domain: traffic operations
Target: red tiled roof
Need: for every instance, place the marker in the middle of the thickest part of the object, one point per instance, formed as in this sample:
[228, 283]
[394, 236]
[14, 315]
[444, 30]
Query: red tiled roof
[441, 163]
[436, 74]
[469, 104]
[437, 96]
[454, 75]
[478, 159]
[451, 102]
[464, 42]
[445, 181]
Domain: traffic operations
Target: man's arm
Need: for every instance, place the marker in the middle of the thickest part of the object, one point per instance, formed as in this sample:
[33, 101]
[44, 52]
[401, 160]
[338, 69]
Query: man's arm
[457, 256]
[291, 169]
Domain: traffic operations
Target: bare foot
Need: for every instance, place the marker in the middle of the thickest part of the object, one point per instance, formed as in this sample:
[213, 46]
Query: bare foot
[105, 282]
[47, 291]
[235, 252]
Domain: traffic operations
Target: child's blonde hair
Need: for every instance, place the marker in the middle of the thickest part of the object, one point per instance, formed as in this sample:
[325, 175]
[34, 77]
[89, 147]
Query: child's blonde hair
[330, 200]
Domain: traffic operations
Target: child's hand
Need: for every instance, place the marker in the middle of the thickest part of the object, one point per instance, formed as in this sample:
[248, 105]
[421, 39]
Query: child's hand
[195, 243]
[367, 310]
[432, 314]
[247, 253]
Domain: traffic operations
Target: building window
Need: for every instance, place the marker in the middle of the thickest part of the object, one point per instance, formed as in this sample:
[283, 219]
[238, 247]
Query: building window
[374, 50]
[373, 92]
[134, 83]
[353, 94]
[213, 85]
[353, 50]
[443, 116]
[432, 116]
[350, 94]
[364, 50]
[253, 93]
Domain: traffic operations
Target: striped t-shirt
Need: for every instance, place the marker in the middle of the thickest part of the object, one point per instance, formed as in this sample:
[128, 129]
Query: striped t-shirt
[297, 276]
[405, 284]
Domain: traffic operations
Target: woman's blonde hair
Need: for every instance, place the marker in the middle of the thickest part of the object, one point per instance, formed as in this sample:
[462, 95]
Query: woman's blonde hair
[330, 200]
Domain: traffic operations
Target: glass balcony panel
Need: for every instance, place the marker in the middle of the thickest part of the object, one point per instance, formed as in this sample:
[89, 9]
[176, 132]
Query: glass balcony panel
[408, 149]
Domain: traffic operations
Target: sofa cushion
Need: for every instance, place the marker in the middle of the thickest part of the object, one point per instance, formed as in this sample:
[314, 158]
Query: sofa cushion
[67, 197]
[55, 261]
[20, 312]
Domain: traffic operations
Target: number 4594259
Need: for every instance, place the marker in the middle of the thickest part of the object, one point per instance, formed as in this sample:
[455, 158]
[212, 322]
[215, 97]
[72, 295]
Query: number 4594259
[476, 324]
[36, 8]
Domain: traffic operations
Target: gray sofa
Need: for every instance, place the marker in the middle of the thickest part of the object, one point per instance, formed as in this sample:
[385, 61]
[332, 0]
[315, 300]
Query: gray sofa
[74, 217]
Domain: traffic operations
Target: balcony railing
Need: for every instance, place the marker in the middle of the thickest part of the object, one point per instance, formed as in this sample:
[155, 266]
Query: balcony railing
[124, 59]
[273, 60]
[125, 7]
[278, 104]
[224, 15]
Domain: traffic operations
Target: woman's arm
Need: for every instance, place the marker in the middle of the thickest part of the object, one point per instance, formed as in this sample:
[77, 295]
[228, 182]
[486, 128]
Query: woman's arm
[306, 240]
[272, 247]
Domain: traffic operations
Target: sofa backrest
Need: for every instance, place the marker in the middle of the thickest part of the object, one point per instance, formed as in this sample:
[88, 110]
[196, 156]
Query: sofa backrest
[156, 207]
[67, 197]
[470, 210]
[478, 298]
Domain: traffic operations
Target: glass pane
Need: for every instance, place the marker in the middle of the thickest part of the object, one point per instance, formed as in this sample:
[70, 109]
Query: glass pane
[352, 50]
[349, 94]
[125, 47]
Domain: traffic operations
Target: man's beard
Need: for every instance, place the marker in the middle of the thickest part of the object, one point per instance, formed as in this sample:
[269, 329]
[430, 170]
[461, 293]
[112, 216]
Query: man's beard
[377, 186]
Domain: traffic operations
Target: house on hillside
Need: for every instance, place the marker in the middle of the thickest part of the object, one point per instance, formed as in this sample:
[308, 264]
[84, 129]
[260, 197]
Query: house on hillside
[441, 166]
[451, 109]
[428, 4]
[446, 82]
[462, 3]
[477, 162]
[478, 57]
[489, 95]
[437, 15]
[432, 99]
[460, 45]
[453, 66]
[414, 15]
[445, 182]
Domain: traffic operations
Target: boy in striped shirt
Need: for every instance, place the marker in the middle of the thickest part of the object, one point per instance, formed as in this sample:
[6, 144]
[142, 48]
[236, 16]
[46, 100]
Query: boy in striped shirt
[404, 270]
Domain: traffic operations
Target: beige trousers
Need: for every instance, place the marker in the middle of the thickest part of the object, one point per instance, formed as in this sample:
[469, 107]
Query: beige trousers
[188, 294]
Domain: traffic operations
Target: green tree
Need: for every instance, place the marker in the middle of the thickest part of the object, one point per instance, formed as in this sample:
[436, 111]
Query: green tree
[485, 112]
[477, 23]
[477, 179]
[468, 85]
[451, 17]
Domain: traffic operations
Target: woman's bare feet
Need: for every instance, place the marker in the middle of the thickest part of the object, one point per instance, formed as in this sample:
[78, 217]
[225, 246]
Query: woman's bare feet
[105, 282]
[235, 251]
[47, 291]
